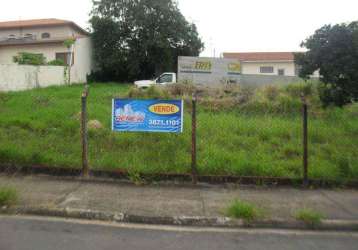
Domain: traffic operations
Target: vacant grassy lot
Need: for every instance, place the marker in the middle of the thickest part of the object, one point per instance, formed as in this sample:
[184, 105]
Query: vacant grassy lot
[41, 126]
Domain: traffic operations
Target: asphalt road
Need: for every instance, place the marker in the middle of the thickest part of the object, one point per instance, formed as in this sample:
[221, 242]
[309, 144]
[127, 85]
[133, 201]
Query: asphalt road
[34, 233]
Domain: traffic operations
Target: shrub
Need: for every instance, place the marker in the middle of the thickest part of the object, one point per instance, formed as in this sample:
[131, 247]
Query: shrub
[287, 105]
[344, 164]
[156, 92]
[135, 92]
[69, 42]
[297, 89]
[245, 94]
[231, 89]
[56, 62]
[271, 92]
[214, 104]
[29, 59]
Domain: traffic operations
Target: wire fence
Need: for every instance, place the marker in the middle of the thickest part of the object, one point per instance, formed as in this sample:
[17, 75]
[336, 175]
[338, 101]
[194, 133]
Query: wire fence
[213, 143]
[69, 127]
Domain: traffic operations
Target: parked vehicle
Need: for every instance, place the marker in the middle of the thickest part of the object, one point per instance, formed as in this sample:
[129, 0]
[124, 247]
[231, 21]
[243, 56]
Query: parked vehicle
[163, 79]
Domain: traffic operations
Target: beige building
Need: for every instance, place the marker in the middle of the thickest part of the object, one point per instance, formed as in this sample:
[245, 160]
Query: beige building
[265, 63]
[46, 37]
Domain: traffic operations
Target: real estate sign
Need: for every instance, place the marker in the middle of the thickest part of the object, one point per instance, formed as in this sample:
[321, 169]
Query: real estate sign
[147, 115]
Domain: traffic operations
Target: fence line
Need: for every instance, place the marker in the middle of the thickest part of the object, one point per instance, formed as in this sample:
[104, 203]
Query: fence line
[305, 141]
[194, 169]
[84, 134]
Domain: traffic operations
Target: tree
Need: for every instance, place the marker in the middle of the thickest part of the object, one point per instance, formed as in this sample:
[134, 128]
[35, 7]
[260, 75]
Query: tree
[140, 38]
[333, 50]
[69, 44]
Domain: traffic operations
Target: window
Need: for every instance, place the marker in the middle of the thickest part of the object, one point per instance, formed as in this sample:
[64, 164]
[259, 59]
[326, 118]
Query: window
[45, 35]
[266, 69]
[165, 78]
[65, 57]
[281, 72]
[28, 35]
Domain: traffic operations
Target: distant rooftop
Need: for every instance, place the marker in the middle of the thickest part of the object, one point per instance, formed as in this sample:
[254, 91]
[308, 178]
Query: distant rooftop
[261, 56]
[39, 23]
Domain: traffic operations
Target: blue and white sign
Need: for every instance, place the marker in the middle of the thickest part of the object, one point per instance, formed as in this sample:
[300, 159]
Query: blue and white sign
[147, 115]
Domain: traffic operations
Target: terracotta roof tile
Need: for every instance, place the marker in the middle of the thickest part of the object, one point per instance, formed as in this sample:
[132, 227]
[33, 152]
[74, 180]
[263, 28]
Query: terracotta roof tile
[39, 22]
[261, 56]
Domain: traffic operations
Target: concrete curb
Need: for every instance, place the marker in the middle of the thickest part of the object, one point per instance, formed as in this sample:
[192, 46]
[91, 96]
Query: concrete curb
[101, 175]
[196, 221]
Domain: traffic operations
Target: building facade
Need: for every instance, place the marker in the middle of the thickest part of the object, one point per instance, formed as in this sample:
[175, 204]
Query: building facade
[266, 63]
[47, 37]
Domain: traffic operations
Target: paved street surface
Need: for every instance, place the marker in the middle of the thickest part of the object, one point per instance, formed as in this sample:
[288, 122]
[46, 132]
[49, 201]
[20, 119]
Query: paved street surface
[278, 203]
[34, 233]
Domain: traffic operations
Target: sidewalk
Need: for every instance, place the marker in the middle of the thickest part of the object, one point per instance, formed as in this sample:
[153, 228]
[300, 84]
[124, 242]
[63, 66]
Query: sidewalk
[177, 201]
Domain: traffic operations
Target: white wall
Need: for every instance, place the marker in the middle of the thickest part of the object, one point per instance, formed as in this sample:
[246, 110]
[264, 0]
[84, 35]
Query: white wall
[221, 71]
[253, 68]
[83, 60]
[82, 53]
[48, 50]
[21, 77]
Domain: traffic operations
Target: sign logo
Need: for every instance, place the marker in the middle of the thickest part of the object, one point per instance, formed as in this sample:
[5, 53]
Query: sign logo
[164, 109]
[203, 65]
[126, 114]
[147, 115]
[196, 67]
[234, 68]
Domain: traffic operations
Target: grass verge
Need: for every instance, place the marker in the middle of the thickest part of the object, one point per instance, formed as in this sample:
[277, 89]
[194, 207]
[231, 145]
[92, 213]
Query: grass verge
[8, 196]
[310, 217]
[243, 210]
[245, 134]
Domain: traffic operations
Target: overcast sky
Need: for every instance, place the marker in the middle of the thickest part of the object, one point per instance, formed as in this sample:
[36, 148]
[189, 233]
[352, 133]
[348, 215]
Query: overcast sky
[224, 25]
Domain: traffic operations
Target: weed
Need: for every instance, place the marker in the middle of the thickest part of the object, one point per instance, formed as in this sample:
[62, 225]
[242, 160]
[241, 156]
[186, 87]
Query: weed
[41, 101]
[243, 210]
[180, 89]
[310, 217]
[8, 196]
[271, 92]
[301, 88]
[345, 166]
[154, 92]
[134, 176]
[352, 109]
[245, 95]
[135, 93]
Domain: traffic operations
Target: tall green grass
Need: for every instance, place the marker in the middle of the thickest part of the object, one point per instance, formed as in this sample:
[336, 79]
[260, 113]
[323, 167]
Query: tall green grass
[261, 137]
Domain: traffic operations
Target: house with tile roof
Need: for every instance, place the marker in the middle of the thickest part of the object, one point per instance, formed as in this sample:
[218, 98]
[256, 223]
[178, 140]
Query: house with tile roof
[47, 37]
[266, 63]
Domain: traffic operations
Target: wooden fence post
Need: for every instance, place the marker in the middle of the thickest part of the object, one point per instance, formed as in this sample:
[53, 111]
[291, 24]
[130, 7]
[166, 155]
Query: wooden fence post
[84, 134]
[305, 141]
[194, 171]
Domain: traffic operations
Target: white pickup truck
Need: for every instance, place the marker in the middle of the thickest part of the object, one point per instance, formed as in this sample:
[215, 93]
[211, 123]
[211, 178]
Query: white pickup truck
[165, 78]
